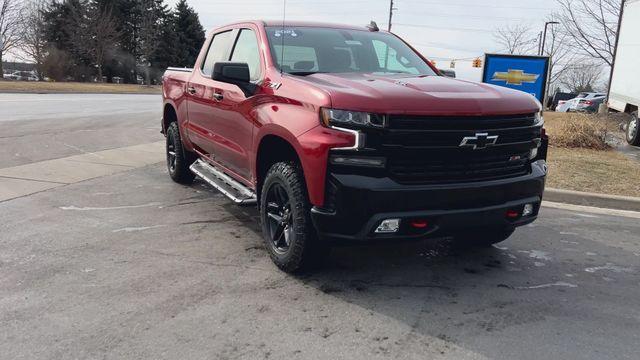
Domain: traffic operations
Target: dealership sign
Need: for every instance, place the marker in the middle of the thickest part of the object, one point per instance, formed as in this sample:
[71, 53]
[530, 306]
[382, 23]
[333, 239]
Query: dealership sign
[524, 73]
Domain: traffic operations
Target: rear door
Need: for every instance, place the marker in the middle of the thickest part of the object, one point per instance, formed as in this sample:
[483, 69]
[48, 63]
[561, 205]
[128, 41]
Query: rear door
[203, 102]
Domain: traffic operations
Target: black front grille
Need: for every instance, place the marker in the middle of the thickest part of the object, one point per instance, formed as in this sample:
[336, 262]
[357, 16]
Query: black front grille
[460, 166]
[427, 149]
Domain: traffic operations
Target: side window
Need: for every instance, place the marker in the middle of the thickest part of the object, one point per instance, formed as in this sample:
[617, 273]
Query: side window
[388, 59]
[218, 51]
[246, 51]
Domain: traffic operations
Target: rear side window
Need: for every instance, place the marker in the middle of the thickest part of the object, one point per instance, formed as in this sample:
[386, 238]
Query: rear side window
[246, 51]
[218, 51]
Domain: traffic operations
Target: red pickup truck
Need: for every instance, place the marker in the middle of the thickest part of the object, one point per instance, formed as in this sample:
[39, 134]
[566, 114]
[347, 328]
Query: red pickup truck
[346, 134]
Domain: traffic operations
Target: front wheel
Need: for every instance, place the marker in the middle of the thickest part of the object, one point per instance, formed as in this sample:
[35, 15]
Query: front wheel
[633, 130]
[483, 237]
[287, 229]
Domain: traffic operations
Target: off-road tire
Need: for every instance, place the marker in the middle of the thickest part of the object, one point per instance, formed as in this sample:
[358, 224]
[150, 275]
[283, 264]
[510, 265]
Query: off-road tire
[482, 237]
[306, 251]
[633, 132]
[178, 167]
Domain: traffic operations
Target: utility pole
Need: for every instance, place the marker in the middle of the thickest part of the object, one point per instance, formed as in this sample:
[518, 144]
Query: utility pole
[391, 8]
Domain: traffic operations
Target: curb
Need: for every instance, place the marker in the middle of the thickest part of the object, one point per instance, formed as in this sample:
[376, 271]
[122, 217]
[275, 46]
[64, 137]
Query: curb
[592, 199]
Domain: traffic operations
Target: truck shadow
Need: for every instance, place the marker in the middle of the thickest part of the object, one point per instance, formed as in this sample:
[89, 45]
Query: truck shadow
[448, 296]
[449, 299]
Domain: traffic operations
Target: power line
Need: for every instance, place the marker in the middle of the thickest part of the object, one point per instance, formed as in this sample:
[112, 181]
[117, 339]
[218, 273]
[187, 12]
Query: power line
[482, 5]
[445, 28]
[446, 47]
[474, 16]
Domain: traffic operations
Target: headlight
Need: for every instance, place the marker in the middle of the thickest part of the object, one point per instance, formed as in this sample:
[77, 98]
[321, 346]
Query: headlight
[539, 121]
[334, 117]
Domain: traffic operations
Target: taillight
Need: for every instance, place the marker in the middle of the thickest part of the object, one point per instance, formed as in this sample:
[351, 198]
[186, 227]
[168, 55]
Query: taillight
[588, 102]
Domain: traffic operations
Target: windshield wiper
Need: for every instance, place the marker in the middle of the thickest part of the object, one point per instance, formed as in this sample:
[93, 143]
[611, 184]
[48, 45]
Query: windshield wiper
[305, 73]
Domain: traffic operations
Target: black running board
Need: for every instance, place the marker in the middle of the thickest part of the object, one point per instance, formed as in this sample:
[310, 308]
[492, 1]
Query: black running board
[237, 192]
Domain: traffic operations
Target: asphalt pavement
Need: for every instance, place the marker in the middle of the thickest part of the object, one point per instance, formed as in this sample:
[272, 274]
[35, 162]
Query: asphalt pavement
[132, 265]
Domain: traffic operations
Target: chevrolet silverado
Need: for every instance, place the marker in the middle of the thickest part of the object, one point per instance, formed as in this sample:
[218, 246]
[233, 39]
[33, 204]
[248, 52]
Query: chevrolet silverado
[346, 134]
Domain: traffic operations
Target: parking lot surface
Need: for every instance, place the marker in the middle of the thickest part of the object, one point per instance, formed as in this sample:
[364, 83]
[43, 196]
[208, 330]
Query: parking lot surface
[132, 265]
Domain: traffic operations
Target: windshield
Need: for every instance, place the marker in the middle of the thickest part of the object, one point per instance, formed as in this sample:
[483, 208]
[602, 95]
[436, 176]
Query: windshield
[309, 50]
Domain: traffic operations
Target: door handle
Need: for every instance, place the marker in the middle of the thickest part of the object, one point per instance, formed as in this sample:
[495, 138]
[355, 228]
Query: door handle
[191, 90]
[218, 96]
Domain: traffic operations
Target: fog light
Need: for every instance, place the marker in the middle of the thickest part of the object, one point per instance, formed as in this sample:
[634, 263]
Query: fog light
[512, 214]
[419, 224]
[389, 226]
[358, 161]
[528, 210]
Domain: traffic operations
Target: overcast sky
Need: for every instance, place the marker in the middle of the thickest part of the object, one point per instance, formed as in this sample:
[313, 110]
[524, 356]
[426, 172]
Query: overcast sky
[440, 29]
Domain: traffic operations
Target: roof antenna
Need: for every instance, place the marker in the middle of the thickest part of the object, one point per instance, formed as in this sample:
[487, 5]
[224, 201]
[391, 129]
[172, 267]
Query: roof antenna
[373, 26]
[284, 12]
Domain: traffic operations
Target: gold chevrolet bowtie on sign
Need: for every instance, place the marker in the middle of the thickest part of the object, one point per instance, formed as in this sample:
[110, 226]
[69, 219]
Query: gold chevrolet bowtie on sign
[514, 77]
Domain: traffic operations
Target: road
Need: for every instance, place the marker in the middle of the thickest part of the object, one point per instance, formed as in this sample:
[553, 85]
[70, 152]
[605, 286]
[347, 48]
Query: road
[132, 265]
[36, 127]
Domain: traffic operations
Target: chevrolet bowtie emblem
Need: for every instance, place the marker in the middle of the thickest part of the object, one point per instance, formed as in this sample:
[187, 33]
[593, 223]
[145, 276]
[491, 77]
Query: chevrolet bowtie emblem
[479, 141]
[514, 77]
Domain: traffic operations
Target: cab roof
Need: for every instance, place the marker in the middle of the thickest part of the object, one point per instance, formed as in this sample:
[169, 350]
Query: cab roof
[295, 23]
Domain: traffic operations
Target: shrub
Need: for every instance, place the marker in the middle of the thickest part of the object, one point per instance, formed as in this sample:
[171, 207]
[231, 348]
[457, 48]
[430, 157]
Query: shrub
[580, 131]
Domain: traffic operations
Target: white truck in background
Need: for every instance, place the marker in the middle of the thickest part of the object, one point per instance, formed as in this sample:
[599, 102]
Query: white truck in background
[624, 92]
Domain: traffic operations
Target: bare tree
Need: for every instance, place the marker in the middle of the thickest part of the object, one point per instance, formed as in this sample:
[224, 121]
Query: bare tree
[515, 39]
[96, 34]
[591, 25]
[583, 76]
[32, 36]
[10, 25]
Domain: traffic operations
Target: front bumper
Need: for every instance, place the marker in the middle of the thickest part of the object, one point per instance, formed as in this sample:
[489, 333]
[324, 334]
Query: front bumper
[359, 203]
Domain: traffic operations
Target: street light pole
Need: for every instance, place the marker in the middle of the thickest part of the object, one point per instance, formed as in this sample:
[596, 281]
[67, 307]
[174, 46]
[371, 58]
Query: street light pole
[390, 14]
[544, 36]
[539, 41]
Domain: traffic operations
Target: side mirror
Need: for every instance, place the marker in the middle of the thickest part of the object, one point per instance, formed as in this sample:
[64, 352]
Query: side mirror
[234, 73]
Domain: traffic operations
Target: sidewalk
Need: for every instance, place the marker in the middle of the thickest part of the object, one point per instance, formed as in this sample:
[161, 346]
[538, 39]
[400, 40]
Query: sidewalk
[31, 178]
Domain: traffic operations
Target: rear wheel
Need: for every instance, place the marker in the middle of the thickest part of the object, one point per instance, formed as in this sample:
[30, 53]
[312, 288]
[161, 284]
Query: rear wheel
[482, 237]
[178, 159]
[633, 130]
[287, 229]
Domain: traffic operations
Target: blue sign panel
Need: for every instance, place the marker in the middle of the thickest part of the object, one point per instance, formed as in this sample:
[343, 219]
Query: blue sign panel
[524, 73]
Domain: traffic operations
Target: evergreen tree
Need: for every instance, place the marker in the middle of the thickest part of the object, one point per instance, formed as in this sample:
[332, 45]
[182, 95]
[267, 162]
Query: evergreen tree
[63, 59]
[152, 14]
[190, 33]
[148, 37]
[166, 54]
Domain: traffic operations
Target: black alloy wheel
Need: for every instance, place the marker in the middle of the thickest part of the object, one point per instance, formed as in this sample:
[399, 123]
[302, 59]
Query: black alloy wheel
[171, 154]
[279, 218]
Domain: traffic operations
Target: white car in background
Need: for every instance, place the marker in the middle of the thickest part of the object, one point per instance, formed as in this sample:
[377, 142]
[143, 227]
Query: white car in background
[571, 105]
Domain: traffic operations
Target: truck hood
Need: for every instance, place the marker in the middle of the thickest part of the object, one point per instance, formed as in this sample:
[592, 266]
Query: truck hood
[424, 95]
